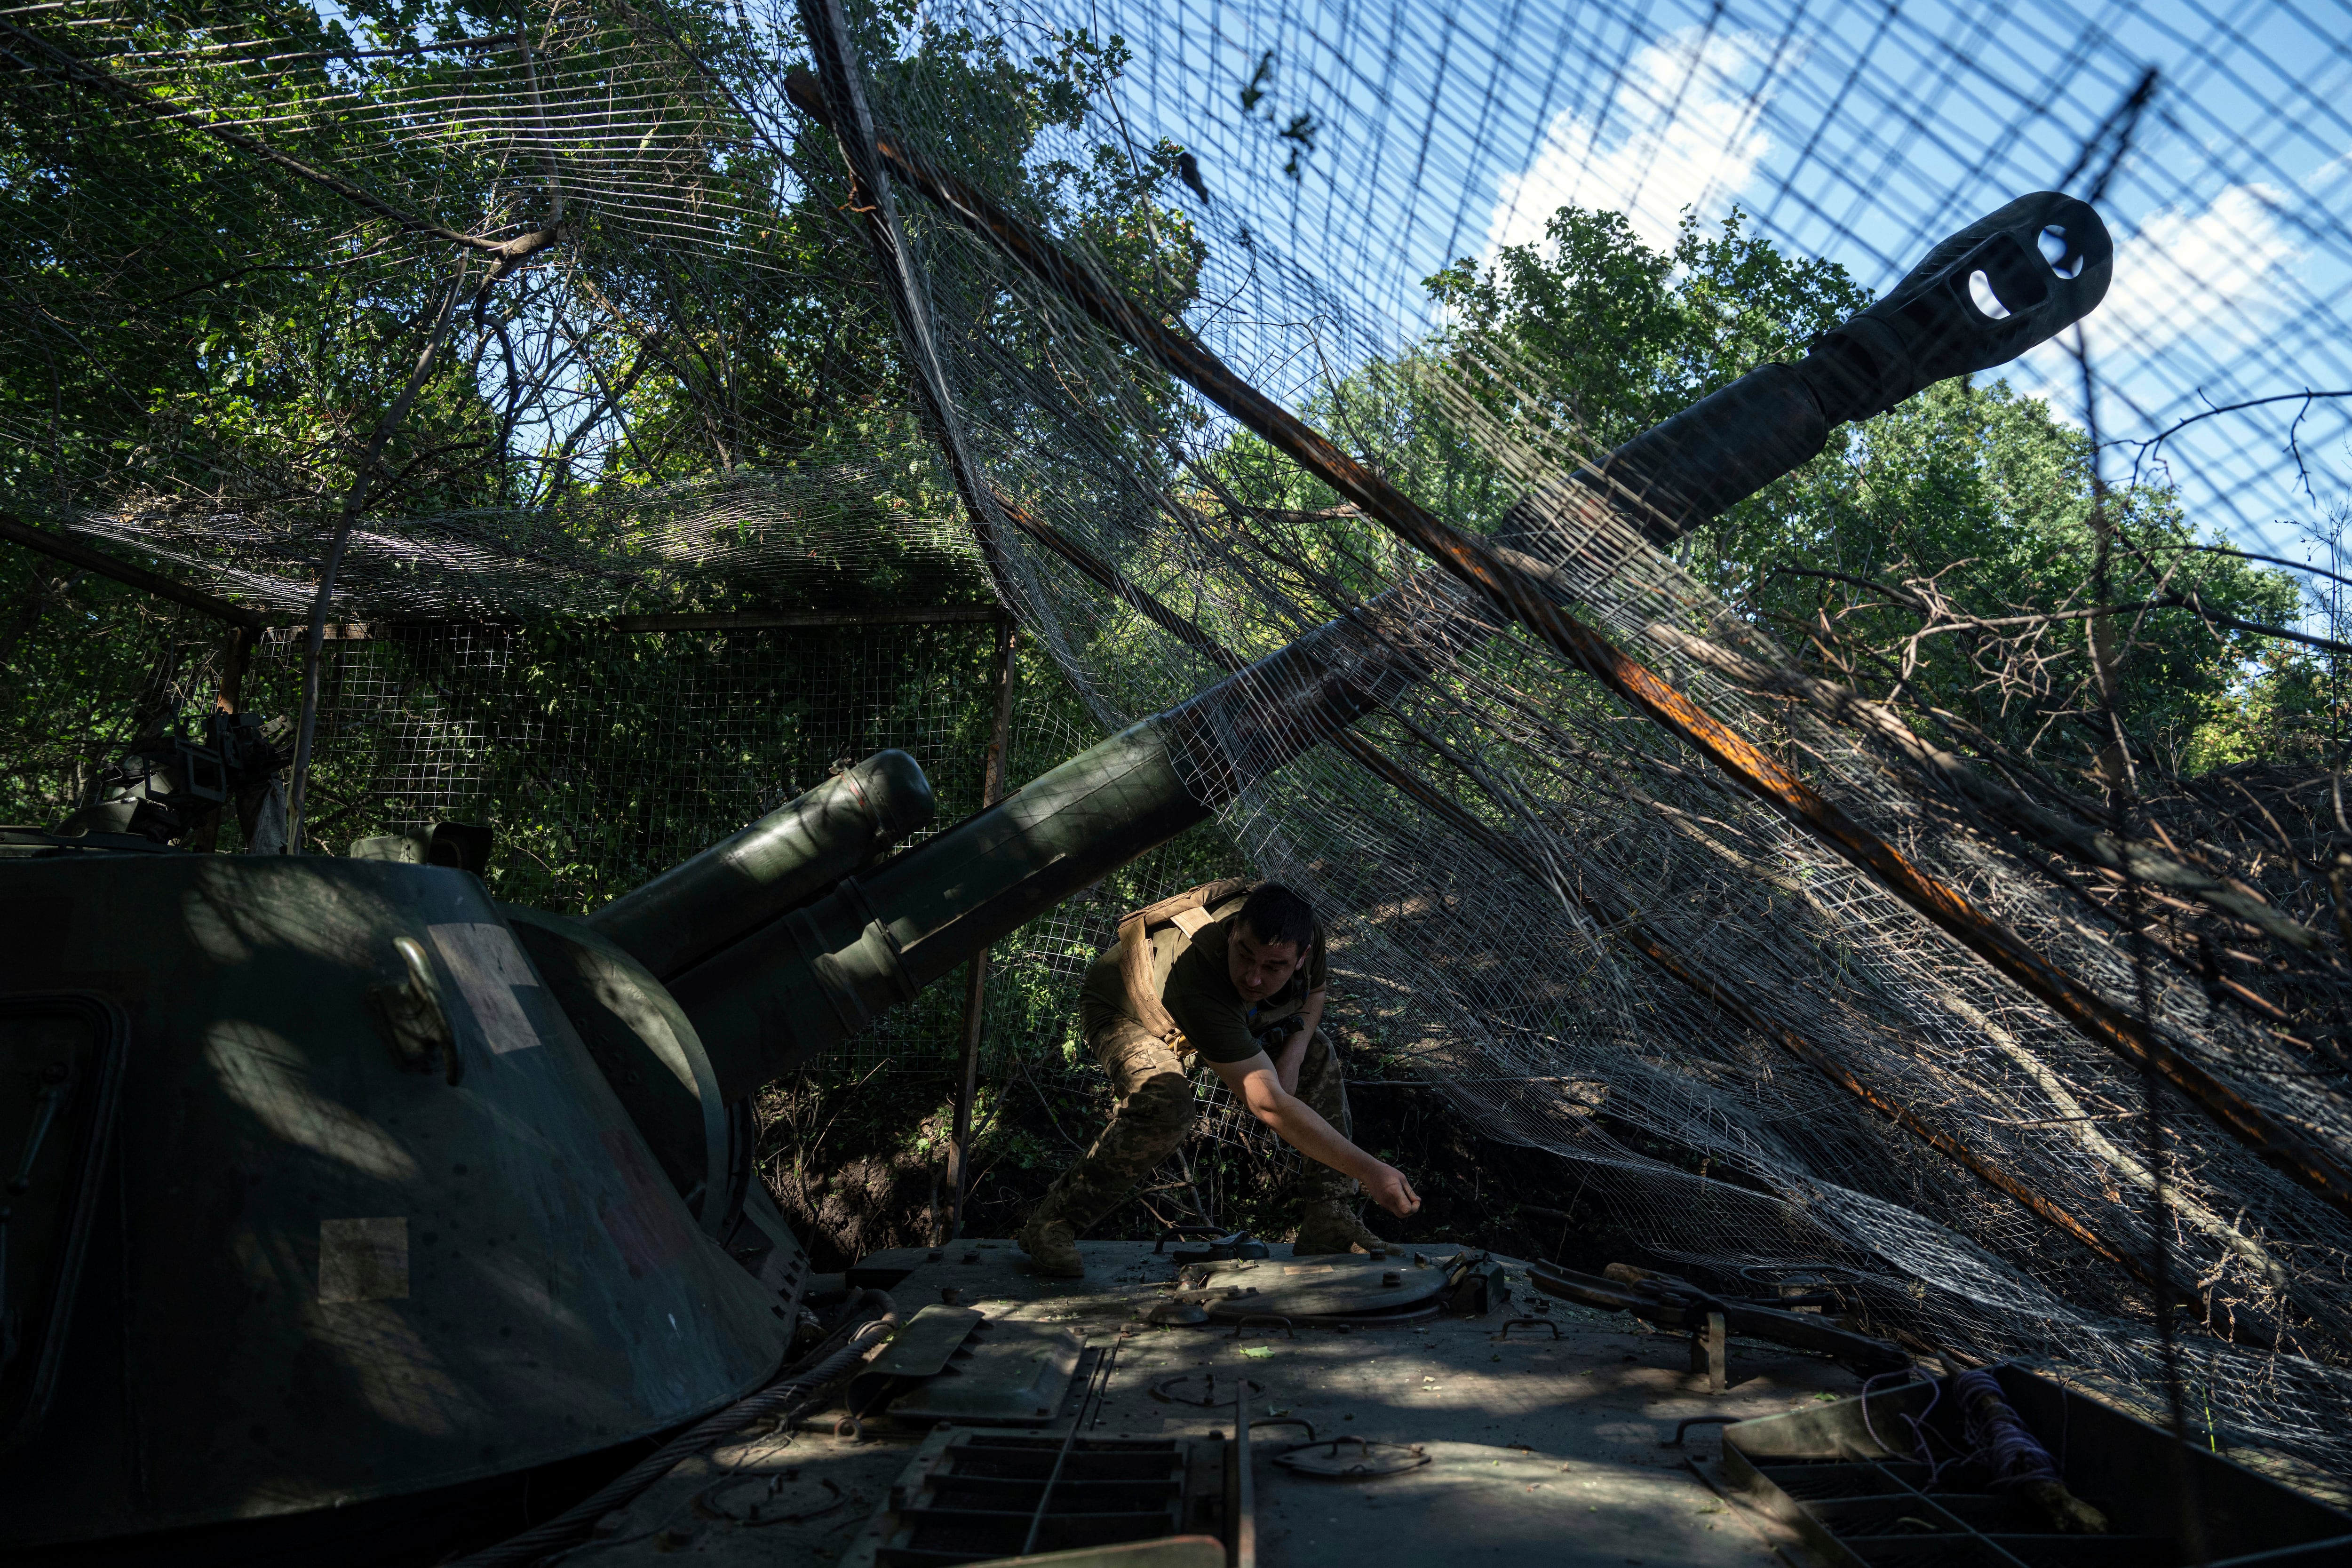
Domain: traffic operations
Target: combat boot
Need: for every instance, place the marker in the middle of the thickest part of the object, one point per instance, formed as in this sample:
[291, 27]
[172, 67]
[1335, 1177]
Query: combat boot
[1330, 1227]
[1053, 1248]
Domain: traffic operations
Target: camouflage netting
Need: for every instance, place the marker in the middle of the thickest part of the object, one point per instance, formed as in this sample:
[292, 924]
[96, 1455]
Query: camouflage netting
[687, 394]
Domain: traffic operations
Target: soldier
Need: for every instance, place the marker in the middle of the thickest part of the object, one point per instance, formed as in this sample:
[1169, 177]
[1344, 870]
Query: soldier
[1234, 975]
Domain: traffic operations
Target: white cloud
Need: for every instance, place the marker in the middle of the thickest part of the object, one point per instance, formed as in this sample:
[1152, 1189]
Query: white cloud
[2217, 273]
[1682, 132]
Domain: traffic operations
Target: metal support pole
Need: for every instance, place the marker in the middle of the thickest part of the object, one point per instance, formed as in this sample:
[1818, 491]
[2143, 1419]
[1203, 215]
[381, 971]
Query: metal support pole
[1241, 1487]
[959, 1176]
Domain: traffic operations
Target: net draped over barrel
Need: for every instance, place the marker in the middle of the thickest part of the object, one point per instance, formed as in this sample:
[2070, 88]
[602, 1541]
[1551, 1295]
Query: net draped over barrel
[624, 578]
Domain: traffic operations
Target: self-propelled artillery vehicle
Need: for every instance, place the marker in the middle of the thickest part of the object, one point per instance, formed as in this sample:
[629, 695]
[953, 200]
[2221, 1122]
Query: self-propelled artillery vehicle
[346, 1203]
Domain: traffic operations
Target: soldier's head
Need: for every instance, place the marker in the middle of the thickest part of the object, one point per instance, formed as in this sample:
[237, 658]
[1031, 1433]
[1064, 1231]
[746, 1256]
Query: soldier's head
[1274, 935]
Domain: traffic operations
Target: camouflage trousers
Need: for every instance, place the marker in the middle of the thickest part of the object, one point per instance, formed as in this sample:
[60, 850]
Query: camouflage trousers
[1155, 1111]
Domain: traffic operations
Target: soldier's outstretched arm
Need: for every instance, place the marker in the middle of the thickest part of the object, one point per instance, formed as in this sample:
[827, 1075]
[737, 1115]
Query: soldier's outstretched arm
[1293, 1054]
[1253, 1083]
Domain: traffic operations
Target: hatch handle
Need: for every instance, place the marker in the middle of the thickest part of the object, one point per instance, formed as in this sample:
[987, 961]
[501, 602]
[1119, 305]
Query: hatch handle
[410, 1017]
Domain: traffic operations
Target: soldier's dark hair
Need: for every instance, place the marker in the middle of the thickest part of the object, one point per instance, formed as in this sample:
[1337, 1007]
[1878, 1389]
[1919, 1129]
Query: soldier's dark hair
[1276, 914]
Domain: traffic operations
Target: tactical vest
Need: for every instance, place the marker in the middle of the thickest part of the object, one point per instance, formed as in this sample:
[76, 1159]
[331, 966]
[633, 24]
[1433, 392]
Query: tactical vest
[1188, 912]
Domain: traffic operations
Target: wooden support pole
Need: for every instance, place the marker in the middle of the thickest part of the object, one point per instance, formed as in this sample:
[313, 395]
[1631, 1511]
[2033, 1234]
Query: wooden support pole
[237, 652]
[74, 553]
[839, 90]
[975, 996]
[1518, 594]
[252, 622]
[236, 657]
[711, 621]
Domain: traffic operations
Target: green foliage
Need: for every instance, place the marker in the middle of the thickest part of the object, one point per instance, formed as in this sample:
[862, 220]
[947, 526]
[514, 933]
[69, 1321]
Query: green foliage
[199, 326]
[1593, 334]
[1977, 498]
[2286, 706]
[192, 320]
[88, 666]
[1565, 348]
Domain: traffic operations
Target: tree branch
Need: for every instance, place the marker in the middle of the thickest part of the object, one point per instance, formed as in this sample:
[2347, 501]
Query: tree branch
[2124, 857]
[2189, 601]
[2144, 448]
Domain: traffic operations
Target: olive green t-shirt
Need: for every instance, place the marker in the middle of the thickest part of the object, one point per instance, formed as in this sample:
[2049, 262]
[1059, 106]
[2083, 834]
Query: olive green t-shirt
[1198, 992]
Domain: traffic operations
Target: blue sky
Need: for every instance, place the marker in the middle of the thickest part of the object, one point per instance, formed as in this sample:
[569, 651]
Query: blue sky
[1858, 132]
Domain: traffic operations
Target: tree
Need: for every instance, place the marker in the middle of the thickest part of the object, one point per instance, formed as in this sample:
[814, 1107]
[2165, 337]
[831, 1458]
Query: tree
[199, 317]
[1592, 334]
[1942, 555]
[1567, 348]
[1947, 558]
[208, 335]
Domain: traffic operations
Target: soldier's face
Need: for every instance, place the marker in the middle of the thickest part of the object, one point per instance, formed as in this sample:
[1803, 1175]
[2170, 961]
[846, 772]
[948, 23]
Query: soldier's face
[1259, 968]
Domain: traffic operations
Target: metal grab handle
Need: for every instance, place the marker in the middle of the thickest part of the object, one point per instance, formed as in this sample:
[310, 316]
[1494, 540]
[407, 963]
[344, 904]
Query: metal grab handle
[410, 1017]
[1390, 1320]
[56, 1083]
[1177, 1232]
[1160, 1387]
[1288, 1327]
[1363, 1444]
[1286, 1421]
[1528, 1323]
[1677, 1440]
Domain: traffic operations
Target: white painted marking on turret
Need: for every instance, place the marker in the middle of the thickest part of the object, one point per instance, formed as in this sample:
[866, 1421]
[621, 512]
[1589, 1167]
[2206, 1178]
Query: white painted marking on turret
[489, 966]
[363, 1259]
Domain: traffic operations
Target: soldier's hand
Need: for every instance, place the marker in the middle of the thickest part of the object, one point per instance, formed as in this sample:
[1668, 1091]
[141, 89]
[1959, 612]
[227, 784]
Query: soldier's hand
[1388, 1189]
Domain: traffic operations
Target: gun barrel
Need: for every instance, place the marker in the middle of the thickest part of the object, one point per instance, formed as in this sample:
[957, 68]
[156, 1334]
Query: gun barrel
[787, 857]
[2013, 278]
[780, 990]
[789, 990]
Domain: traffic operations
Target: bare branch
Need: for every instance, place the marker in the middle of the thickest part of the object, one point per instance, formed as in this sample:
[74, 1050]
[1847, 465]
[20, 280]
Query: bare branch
[2074, 839]
[2148, 447]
